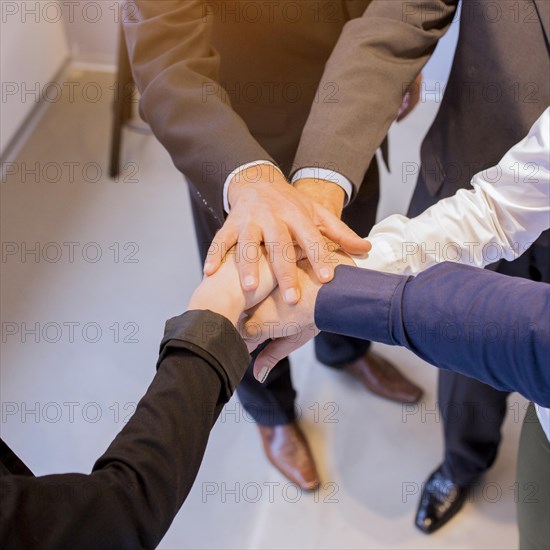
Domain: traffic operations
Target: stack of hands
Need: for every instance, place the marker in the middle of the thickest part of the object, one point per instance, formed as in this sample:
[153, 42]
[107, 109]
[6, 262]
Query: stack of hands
[264, 312]
[280, 242]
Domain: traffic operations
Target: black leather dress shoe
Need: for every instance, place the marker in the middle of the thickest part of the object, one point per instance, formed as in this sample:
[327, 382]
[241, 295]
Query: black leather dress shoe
[441, 499]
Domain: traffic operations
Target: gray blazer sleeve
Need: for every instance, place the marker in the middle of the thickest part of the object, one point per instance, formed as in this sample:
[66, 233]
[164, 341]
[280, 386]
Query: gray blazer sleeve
[176, 71]
[376, 58]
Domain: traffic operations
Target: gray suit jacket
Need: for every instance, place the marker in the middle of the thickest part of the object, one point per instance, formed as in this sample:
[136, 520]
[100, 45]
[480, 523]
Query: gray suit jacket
[224, 83]
[498, 87]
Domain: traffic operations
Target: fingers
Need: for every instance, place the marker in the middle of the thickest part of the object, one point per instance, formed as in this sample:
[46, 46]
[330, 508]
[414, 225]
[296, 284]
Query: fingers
[277, 350]
[282, 256]
[411, 99]
[250, 338]
[414, 99]
[313, 245]
[224, 240]
[250, 346]
[275, 227]
[267, 282]
[405, 107]
[249, 253]
[337, 231]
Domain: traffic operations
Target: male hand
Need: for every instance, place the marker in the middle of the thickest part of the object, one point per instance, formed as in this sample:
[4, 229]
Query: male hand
[325, 193]
[411, 98]
[289, 326]
[265, 208]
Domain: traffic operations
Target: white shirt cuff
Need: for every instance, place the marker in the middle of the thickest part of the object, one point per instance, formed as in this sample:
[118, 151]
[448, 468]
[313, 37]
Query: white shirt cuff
[226, 206]
[382, 257]
[327, 175]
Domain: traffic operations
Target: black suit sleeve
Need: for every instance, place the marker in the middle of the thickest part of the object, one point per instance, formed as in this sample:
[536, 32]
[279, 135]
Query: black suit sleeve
[137, 487]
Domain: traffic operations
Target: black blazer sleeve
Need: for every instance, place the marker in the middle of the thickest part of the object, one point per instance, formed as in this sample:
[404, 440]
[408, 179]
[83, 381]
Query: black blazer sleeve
[137, 487]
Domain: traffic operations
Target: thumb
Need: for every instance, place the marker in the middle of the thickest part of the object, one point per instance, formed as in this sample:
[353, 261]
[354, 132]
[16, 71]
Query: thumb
[338, 232]
[277, 350]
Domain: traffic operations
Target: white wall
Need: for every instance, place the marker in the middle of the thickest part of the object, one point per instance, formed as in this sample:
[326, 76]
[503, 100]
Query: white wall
[92, 29]
[33, 48]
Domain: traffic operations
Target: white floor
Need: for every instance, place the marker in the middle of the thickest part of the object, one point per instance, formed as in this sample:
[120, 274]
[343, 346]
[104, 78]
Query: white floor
[67, 389]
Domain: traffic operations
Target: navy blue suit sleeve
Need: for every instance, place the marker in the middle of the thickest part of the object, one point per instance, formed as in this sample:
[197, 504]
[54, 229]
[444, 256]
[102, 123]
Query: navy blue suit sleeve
[476, 322]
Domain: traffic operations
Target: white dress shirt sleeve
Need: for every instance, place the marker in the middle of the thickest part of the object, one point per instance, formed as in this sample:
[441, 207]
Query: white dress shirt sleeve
[507, 209]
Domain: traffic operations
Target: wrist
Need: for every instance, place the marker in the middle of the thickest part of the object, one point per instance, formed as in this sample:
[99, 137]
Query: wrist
[326, 193]
[229, 304]
[259, 174]
[345, 259]
[230, 308]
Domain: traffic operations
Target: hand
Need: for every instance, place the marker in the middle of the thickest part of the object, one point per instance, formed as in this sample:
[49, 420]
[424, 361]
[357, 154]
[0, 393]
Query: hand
[222, 292]
[289, 326]
[411, 98]
[265, 208]
[329, 195]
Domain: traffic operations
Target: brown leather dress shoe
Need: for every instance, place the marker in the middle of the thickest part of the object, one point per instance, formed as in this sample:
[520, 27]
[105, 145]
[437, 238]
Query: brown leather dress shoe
[384, 379]
[287, 449]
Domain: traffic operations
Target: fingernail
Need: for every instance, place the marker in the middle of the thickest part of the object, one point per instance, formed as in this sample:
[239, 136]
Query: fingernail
[207, 267]
[263, 374]
[291, 295]
[324, 272]
[250, 281]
